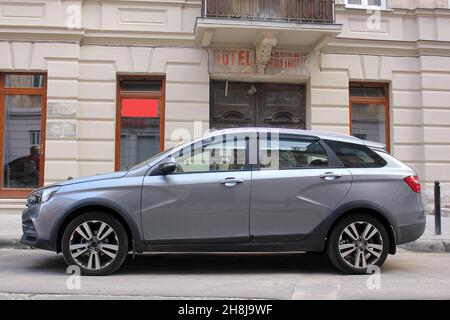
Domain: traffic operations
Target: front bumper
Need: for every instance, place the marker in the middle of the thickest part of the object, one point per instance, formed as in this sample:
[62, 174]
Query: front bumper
[33, 235]
[411, 232]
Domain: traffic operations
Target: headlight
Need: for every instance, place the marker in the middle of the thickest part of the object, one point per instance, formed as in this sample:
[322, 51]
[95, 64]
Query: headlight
[41, 195]
[47, 193]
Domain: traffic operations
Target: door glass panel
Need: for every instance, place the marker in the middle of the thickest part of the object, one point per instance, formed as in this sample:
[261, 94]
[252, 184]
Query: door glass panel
[218, 154]
[139, 130]
[282, 98]
[22, 140]
[233, 97]
[291, 153]
[369, 122]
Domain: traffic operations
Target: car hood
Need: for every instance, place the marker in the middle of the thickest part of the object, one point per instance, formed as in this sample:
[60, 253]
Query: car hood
[106, 176]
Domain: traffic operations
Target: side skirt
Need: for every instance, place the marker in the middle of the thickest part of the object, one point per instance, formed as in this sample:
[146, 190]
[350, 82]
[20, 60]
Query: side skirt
[313, 242]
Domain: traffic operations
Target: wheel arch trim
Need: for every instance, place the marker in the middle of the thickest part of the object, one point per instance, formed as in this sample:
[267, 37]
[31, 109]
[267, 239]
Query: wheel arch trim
[343, 210]
[97, 204]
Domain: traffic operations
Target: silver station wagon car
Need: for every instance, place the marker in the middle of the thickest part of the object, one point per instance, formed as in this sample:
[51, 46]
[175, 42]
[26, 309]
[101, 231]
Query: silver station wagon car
[236, 190]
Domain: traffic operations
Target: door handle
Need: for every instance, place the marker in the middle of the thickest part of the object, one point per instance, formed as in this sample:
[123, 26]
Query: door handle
[231, 182]
[330, 176]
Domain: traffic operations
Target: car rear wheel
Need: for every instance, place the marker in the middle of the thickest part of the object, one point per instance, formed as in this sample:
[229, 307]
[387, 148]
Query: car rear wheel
[357, 242]
[95, 242]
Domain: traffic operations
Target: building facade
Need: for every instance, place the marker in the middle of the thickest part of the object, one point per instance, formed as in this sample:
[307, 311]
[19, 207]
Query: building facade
[90, 86]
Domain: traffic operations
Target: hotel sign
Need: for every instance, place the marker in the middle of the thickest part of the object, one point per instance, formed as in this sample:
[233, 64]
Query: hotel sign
[243, 61]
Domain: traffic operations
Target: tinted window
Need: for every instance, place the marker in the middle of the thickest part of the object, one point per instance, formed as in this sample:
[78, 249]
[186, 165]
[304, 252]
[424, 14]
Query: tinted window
[291, 153]
[140, 85]
[356, 156]
[218, 154]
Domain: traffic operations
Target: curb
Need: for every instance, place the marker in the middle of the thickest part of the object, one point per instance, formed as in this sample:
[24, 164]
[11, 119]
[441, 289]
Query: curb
[438, 246]
[12, 244]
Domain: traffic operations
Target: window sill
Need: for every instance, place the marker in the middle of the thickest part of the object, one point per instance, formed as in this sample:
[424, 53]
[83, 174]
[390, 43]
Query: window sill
[368, 8]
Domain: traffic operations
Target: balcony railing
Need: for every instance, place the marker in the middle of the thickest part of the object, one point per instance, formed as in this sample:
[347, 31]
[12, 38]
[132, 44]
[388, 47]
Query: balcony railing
[298, 11]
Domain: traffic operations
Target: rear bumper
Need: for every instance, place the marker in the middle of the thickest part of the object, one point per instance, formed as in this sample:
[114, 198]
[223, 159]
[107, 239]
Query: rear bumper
[411, 232]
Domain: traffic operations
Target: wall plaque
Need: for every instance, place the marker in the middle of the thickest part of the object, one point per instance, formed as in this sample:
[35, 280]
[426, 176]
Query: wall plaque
[61, 129]
[61, 109]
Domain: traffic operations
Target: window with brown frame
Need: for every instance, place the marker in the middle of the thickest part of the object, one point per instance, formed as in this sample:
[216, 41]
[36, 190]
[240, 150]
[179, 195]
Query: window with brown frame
[369, 112]
[140, 119]
[22, 133]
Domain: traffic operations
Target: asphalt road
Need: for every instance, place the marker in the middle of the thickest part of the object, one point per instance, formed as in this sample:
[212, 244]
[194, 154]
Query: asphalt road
[35, 274]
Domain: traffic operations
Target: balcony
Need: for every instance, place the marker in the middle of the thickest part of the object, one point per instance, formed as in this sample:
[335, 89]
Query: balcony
[300, 23]
[297, 11]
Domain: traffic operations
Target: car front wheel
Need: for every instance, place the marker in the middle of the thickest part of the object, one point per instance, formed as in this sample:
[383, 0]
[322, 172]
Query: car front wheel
[95, 242]
[358, 242]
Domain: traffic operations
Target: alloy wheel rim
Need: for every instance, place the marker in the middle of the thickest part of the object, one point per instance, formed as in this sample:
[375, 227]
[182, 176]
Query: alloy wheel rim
[360, 245]
[94, 245]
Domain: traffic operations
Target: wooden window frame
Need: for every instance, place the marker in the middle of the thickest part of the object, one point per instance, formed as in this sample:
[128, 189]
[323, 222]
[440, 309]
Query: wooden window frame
[139, 94]
[373, 100]
[16, 193]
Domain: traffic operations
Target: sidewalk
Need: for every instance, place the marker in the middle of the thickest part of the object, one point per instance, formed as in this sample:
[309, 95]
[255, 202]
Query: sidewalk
[11, 231]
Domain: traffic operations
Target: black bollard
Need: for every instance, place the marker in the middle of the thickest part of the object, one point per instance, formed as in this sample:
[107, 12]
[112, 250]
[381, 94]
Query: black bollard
[437, 208]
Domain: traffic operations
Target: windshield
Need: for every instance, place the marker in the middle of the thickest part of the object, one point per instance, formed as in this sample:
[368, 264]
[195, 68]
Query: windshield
[146, 162]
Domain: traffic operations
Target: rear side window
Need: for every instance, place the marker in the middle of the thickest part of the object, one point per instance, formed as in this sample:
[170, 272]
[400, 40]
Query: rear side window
[355, 155]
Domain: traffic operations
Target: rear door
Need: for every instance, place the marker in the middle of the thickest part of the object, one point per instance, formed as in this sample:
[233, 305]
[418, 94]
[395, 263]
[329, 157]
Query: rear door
[297, 186]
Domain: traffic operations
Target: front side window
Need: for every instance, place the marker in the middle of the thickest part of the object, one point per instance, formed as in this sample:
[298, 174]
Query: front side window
[369, 111]
[355, 155]
[289, 152]
[222, 153]
[22, 108]
[140, 119]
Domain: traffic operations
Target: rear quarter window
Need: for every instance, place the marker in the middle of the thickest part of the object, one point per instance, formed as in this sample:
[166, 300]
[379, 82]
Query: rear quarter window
[355, 155]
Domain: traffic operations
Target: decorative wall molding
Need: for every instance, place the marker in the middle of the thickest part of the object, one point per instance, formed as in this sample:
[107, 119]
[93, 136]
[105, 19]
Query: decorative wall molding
[264, 51]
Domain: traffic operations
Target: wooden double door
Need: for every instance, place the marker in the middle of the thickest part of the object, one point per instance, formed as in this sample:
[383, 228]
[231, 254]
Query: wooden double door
[239, 104]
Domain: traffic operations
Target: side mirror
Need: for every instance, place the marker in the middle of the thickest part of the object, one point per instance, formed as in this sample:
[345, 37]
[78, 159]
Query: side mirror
[165, 167]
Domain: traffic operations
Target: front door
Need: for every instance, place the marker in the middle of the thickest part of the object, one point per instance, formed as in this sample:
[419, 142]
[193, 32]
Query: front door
[205, 200]
[296, 189]
[239, 104]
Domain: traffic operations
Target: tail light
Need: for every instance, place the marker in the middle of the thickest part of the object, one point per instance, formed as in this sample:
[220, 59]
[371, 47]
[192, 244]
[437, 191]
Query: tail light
[413, 183]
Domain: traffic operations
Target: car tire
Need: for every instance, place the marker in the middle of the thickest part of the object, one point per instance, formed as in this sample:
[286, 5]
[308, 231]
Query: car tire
[357, 242]
[95, 242]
